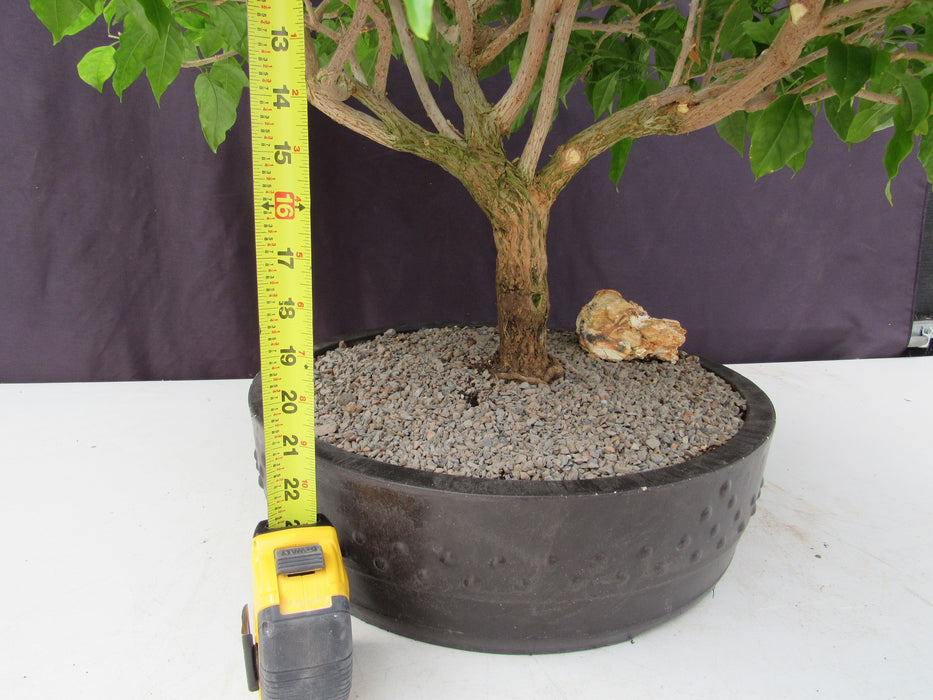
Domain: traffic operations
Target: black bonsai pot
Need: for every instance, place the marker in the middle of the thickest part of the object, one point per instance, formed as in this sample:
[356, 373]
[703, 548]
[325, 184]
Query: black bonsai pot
[538, 566]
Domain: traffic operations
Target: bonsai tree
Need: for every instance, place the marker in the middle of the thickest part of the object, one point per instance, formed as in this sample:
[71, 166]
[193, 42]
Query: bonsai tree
[759, 70]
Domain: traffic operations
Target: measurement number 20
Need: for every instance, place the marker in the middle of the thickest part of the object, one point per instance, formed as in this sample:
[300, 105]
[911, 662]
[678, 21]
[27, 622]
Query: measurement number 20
[289, 399]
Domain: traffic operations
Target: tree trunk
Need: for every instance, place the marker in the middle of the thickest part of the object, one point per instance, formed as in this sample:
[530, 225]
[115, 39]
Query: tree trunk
[520, 222]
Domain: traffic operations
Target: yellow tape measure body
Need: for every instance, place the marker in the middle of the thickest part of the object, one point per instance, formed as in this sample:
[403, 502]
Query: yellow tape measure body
[282, 198]
[304, 643]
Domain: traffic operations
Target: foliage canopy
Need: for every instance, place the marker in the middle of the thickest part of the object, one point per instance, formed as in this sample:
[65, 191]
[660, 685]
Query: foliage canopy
[865, 67]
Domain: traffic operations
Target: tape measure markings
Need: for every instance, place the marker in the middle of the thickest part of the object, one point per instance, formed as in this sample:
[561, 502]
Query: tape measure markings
[282, 196]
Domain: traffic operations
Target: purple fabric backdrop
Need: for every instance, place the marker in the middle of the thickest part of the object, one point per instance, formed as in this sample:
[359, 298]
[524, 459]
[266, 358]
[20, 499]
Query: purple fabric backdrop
[127, 244]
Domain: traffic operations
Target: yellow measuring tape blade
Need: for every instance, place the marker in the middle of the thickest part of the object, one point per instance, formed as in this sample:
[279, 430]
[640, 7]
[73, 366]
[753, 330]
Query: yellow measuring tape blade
[282, 198]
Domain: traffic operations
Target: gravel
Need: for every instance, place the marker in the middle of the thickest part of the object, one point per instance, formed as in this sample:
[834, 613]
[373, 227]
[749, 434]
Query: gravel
[419, 400]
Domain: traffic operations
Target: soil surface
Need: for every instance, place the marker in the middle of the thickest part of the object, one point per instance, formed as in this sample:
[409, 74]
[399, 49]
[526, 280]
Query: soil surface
[422, 400]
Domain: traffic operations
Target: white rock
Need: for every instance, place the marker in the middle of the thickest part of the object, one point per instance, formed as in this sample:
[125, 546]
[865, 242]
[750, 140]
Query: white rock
[611, 328]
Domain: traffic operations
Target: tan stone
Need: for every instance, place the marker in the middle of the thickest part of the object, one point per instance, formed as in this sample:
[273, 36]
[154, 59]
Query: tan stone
[611, 328]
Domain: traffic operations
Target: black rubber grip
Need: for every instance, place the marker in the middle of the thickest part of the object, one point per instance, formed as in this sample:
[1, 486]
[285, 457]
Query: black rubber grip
[306, 655]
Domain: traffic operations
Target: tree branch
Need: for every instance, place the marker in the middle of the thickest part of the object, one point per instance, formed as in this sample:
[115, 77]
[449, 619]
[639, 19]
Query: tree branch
[481, 7]
[384, 55]
[389, 127]
[356, 121]
[345, 46]
[479, 128]
[313, 16]
[626, 26]
[201, 62]
[861, 94]
[465, 23]
[695, 53]
[712, 51]
[509, 107]
[783, 58]
[333, 105]
[809, 85]
[656, 114]
[837, 13]
[502, 38]
[676, 109]
[450, 32]
[773, 64]
[687, 45]
[314, 22]
[417, 76]
[547, 103]
[408, 137]
[912, 56]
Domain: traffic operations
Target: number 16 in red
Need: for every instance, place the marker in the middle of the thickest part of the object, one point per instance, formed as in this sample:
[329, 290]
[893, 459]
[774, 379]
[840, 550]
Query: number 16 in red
[284, 205]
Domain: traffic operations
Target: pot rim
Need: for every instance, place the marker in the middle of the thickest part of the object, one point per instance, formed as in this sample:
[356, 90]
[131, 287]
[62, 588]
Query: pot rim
[757, 428]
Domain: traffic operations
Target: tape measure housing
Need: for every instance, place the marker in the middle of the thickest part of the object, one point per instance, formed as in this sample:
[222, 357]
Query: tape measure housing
[282, 197]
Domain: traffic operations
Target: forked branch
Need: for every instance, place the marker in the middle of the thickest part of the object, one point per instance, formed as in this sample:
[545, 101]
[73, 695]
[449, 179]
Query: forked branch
[539, 30]
[547, 103]
[417, 75]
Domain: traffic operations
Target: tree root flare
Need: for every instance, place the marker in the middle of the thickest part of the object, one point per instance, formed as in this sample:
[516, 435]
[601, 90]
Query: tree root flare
[554, 372]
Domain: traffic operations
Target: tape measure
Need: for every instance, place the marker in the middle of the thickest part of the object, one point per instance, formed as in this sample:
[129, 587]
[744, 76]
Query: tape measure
[282, 197]
[301, 607]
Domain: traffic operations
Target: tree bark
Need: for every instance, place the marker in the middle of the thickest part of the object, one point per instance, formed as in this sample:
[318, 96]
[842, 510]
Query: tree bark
[520, 222]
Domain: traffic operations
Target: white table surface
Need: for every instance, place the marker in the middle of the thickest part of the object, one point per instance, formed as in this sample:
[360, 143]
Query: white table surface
[128, 511]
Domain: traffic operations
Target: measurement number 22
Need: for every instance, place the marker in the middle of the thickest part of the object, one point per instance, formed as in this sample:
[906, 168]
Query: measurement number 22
[291, 491]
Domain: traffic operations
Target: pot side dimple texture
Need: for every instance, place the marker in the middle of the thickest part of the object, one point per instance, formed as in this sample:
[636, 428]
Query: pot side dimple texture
[539, 565]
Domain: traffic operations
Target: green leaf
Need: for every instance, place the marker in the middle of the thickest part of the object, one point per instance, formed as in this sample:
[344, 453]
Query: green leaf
[62, 17]
[418, 13]
[732, 130]
[86, 18]
[848, 68]
[115, 11]
[230, 76]
[136, 43]
[734, 40]
[620, 151]
[868, 120]
[164, 60]
[764, 31]
[97, 66]
[434, 57]
[797, 161]
[782, 132]
[530, 106]
[925, 155]
[899, 147]
[192, 21]
[230, 20]
[914, 107]
[217, 93]
[574, 65]
[661, 20]
[912, 14]
[840, 115]
[159, 16]
[602, 93]
[879, 67]
[209, 39]
[634, 90]
[367, 53]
